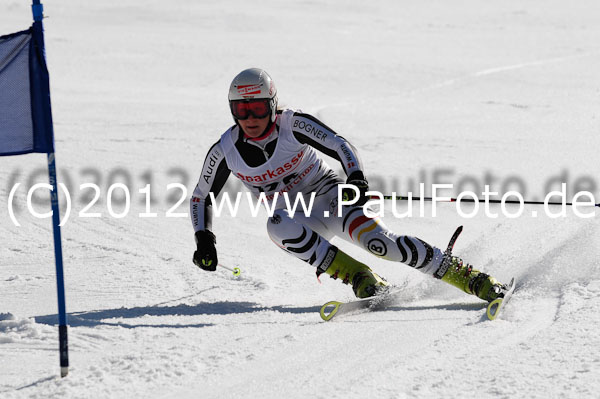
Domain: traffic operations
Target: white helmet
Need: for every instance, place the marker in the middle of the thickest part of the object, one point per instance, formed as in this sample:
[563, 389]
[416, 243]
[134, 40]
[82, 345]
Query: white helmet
[253, 84]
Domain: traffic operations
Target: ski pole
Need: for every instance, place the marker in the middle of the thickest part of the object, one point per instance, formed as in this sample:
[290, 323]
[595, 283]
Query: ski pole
[491, 201]
[236, 270]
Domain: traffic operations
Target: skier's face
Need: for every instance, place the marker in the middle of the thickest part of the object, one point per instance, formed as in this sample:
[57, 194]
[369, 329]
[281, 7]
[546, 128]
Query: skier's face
[254, 127]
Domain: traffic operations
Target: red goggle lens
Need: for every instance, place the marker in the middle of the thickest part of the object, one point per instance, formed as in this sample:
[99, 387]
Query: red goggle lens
[258, 108]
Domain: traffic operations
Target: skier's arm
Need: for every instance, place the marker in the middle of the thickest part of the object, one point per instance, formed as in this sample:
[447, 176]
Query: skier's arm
[212, 179]
[309, 130]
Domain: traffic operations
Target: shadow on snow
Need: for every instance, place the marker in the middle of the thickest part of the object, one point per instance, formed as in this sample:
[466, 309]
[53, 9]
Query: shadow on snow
[103, 317]
[95, 318]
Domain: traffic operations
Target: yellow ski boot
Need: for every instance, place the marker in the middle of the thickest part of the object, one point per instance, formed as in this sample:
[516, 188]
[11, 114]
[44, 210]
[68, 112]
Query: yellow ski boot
[473, 281]
[365, 282]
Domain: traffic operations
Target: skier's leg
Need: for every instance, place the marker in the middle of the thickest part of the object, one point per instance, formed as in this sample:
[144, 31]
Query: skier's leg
[372, 235]
[299, 240]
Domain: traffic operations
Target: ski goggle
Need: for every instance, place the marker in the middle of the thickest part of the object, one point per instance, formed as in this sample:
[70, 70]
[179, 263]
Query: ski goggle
[242, 109]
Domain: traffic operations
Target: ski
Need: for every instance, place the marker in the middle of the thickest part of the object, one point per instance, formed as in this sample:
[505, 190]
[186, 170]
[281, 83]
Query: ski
[495, 307]
[374, 303]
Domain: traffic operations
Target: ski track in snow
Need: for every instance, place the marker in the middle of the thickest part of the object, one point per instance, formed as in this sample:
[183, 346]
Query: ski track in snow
[505, 88]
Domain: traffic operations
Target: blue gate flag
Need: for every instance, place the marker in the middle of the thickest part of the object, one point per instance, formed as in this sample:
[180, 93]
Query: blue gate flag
[25, 113]
[26, 126]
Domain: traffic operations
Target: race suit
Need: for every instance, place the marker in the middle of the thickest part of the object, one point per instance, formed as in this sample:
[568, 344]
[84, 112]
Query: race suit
[288, 161]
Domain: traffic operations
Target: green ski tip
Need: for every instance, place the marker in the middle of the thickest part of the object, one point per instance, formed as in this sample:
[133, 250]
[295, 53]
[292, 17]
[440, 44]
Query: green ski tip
[493, 307]
[329, 310]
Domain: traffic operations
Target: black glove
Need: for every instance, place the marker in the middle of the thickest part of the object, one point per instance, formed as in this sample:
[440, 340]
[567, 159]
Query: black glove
[358, 180]
[205, 256]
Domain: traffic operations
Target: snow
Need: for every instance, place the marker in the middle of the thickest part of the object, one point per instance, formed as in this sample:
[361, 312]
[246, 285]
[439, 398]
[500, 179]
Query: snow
[504, 93]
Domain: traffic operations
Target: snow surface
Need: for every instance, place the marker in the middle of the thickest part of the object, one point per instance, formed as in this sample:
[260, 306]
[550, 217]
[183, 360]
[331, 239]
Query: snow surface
[503, 91]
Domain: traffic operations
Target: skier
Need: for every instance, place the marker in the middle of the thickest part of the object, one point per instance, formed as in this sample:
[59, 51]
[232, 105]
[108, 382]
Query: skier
[276, 151]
